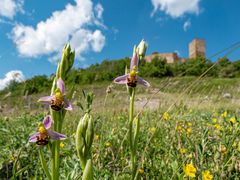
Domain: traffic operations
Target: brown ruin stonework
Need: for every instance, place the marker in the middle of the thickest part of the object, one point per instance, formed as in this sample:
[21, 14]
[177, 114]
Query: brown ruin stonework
[170, 57]
[197, 48]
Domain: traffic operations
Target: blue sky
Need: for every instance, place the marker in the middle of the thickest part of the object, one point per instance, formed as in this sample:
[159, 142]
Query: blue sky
[32, 33]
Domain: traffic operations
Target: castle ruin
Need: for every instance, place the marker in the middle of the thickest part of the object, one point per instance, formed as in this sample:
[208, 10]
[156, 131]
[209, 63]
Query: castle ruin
[196, 48]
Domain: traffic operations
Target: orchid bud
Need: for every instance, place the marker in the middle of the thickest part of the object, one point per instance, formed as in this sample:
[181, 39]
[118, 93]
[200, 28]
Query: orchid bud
[88, 171]
[84, 138]
[141, 49]
[80, 139]
[89, 133]
[66, 62]
[64, 65]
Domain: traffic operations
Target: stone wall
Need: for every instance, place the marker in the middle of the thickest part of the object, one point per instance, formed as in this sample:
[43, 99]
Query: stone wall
[197, 48]
[170, 57]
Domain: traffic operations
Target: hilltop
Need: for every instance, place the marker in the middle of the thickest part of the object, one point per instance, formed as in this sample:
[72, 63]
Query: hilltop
[169, 79]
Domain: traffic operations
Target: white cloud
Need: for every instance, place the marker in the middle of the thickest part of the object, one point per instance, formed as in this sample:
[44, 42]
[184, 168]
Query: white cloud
[14, 75]
[178, 52]
[9, 8]
[69, 25]
[186, 25]
[84, 40]
[99, 10]
[176, 8]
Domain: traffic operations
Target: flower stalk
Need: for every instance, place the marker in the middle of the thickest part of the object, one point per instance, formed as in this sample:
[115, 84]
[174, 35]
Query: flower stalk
[58, 105]
[131, 80]
[131, 134]
[64, 67]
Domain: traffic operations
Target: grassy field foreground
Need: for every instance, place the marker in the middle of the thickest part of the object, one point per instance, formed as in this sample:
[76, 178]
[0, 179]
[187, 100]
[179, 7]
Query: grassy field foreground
[199, 136]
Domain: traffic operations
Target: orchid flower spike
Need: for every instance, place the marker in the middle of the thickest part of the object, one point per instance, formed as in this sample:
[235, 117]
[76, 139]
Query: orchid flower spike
[131, 79]
[57, 101]
[43, 135]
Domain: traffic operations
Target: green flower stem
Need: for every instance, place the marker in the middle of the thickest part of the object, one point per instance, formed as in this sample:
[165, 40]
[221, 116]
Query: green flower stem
[136, 134]
[131, 138]
[53, 161]
[59, 121]
[57, 143]
[44, 164]
[57, 118]
[55, 126]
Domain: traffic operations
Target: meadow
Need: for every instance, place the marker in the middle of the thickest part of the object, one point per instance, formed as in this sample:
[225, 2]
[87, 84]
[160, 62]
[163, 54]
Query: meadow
[187, 126]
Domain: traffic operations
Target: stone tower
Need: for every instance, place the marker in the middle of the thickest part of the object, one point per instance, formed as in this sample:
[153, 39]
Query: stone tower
[197, 48]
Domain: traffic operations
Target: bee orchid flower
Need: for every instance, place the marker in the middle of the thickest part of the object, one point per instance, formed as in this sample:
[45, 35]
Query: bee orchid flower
[131, 79]
[43, 135]
[57, 101]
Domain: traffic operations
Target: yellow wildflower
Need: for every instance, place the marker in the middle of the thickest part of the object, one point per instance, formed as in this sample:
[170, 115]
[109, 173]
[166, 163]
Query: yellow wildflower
[141, 171]
[189, 124]
[190, 170]
[217, 126]
[153, 130]
[224, 114]
[62, 145]
[189, 130]
[234, 144]
[207, 175]
[179, 129]
[183, 150]
[165, 116]
[97, 137]
[107, 144]
[233, 120]
[214, 120]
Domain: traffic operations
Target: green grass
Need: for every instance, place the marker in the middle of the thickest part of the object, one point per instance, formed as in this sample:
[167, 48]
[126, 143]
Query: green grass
[195, 133]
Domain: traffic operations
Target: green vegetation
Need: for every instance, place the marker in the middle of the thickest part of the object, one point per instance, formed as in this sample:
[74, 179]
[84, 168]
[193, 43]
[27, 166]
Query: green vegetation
[199, 131]
[108, 70]
[207, 139]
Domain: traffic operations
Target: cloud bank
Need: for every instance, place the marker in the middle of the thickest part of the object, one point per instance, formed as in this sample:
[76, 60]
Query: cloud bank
[176, 8]
[77, 24]
[14, 75]
[9, 8]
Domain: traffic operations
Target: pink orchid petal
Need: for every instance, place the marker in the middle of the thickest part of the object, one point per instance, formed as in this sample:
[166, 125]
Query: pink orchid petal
[121, 79]
[142, 82]
[55, 136]
[33, 138]
[67, 105]
[134, 61]
[60, 85]
[46, 99]
[47, 122]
